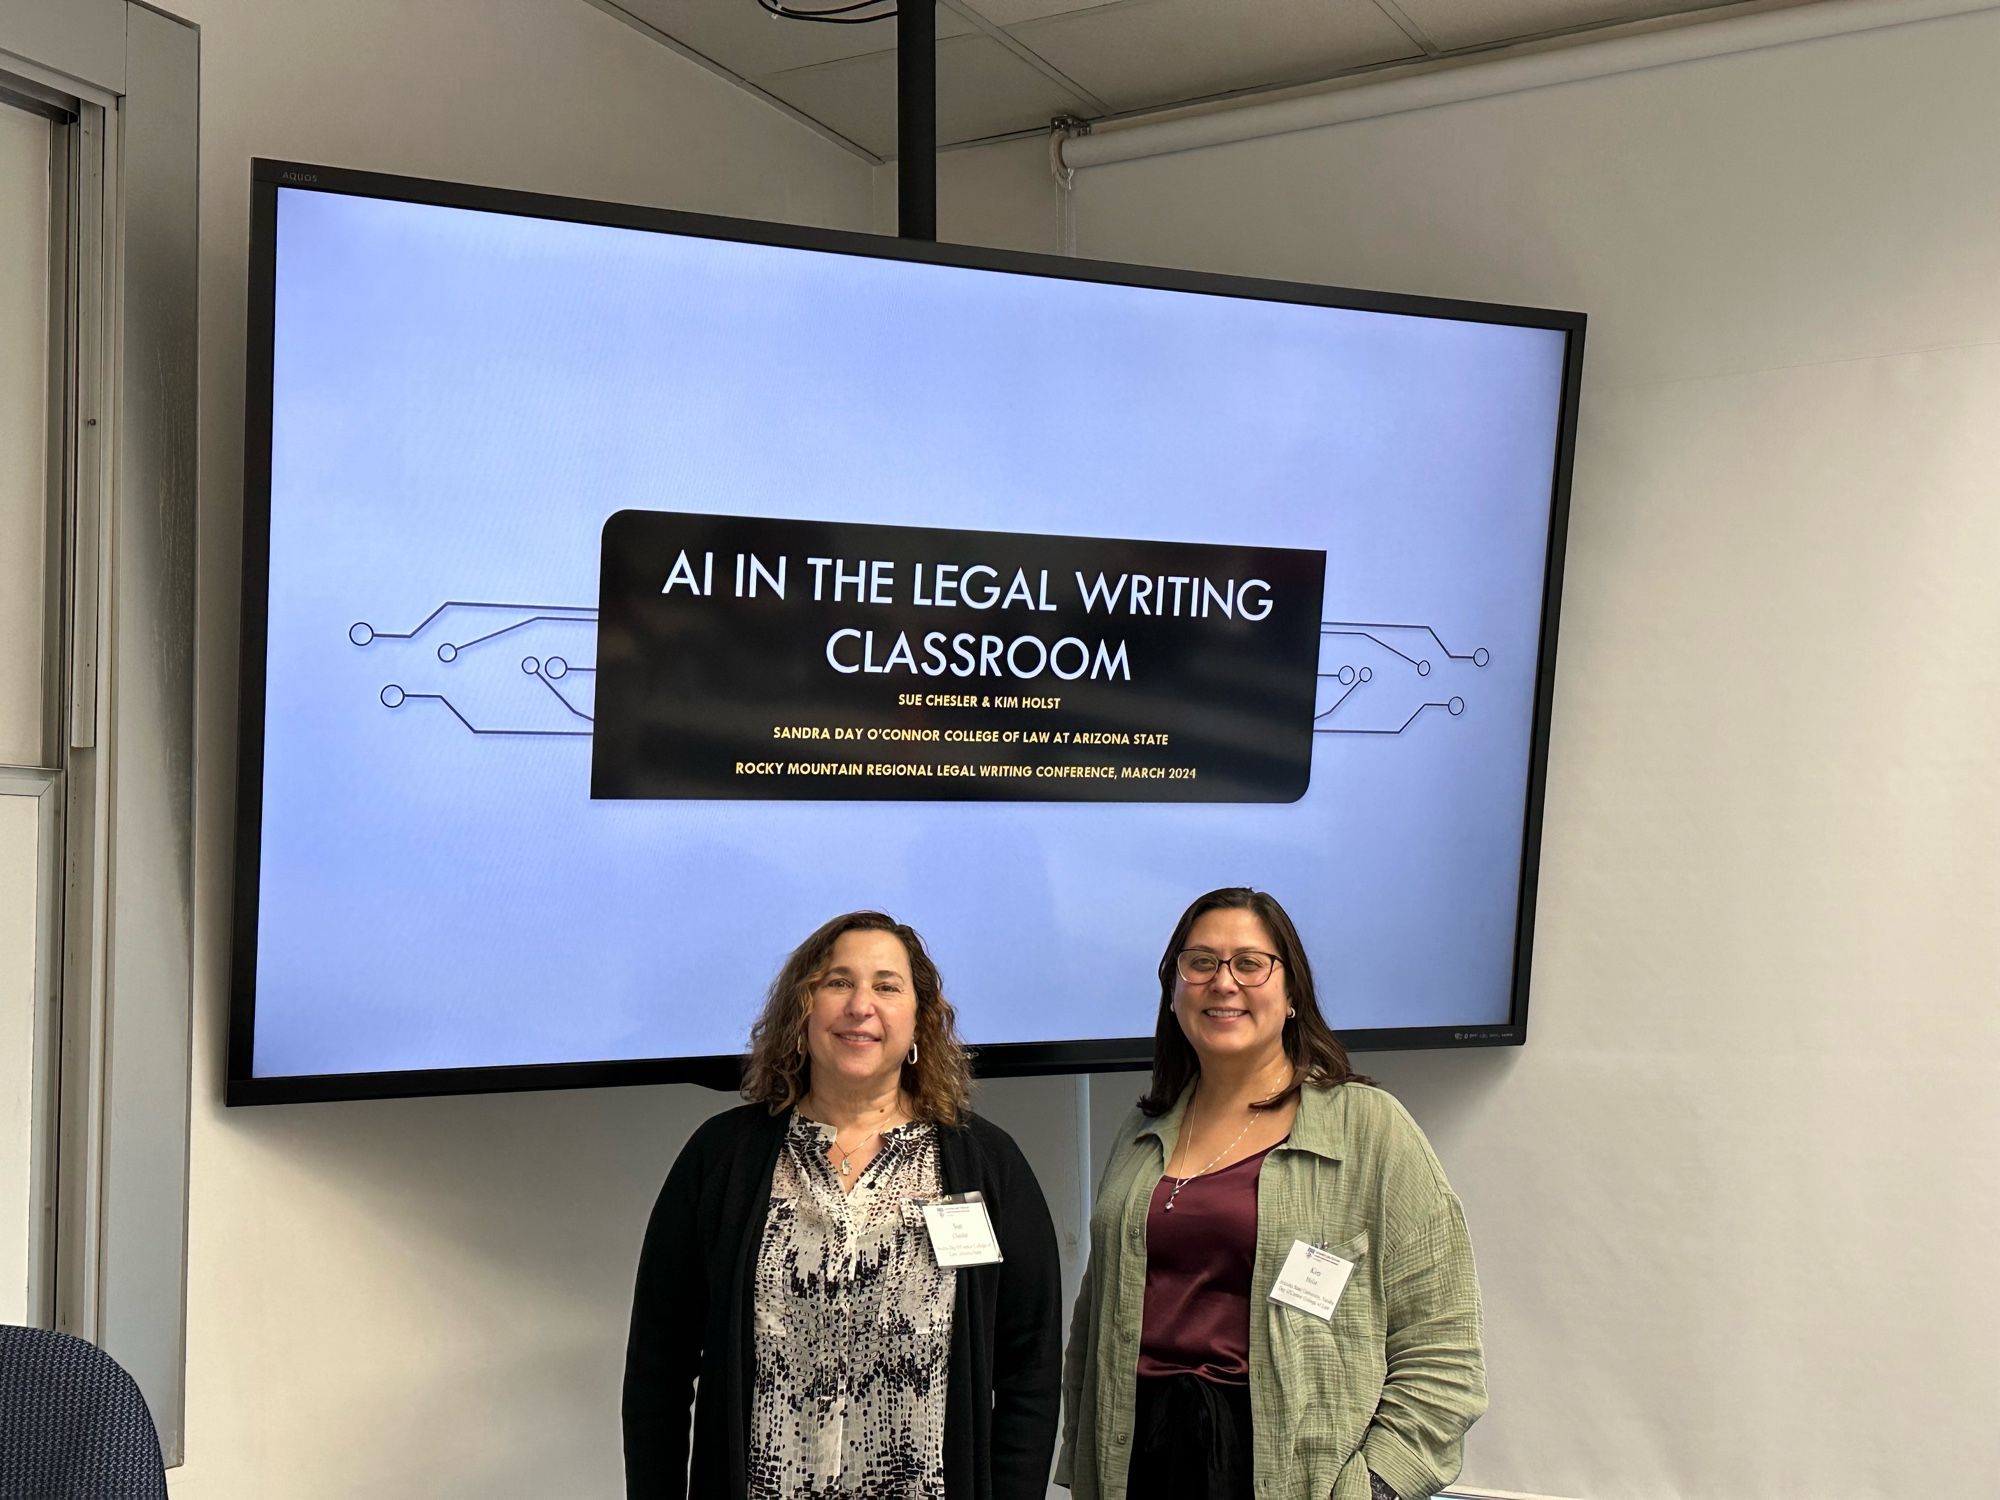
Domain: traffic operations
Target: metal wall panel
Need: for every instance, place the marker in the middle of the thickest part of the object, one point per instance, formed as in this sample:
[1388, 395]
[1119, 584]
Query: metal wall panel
[149, 972]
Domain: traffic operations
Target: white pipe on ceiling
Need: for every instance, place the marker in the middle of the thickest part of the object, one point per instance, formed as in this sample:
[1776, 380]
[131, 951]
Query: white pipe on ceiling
[1484, 78]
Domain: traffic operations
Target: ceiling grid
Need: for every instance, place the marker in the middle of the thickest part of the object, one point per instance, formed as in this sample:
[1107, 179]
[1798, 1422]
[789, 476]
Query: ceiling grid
[1005, 67]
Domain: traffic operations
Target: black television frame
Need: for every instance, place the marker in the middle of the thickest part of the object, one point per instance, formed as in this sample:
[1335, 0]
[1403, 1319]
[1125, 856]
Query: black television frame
[724, 1072]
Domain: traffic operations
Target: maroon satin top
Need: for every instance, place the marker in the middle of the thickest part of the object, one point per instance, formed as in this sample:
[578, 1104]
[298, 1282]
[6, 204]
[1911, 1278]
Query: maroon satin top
[1198, 1261]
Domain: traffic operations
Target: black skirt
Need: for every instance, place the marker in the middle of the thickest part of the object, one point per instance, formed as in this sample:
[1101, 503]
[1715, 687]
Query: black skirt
[1191, 1440]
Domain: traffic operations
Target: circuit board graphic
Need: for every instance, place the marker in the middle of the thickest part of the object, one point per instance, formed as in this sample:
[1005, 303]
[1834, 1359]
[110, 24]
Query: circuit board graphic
[477, 659]
[509, 669]
[1380, 678]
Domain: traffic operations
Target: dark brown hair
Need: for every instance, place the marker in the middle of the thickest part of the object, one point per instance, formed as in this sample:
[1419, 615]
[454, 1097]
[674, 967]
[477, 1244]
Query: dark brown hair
[779, 1070]
[1316, 1054]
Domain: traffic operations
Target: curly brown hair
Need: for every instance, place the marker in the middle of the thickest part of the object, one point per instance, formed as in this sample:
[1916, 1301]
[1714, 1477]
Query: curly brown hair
[779, 1071]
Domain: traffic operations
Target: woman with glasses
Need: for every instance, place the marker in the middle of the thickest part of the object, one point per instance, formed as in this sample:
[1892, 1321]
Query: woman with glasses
[1280, 1301]
[853, 1277]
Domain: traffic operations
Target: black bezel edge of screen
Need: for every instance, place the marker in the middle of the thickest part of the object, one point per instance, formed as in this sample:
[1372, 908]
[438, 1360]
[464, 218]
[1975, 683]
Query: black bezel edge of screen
[1015, 1059]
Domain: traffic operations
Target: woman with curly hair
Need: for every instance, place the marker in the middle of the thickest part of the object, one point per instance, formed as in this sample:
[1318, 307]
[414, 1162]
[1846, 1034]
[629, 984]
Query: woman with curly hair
[839, 1336]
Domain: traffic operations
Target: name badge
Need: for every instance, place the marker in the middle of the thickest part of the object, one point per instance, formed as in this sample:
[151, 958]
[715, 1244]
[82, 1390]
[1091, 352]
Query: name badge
[1312, 1280]
[961, 1232]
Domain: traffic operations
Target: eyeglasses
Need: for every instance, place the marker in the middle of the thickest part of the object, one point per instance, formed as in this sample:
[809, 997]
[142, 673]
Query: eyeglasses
[1248, 968]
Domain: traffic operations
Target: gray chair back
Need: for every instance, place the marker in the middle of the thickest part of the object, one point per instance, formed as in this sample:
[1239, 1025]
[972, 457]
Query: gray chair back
[73, 1425]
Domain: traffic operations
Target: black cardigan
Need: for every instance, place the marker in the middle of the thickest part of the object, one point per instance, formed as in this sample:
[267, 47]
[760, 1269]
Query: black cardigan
[692, 1317]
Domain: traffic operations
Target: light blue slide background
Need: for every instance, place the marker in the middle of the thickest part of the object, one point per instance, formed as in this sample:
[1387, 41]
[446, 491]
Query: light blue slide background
[461, 398]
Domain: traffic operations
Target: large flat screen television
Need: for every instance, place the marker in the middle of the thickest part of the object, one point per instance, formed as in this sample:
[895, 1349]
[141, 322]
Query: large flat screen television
[626, 592]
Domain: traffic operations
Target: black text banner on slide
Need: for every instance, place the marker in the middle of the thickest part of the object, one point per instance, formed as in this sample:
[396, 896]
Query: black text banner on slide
[817, 660]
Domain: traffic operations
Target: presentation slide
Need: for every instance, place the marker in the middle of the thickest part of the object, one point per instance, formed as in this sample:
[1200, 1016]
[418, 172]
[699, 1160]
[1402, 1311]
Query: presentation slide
[637, 601]
[700, 692]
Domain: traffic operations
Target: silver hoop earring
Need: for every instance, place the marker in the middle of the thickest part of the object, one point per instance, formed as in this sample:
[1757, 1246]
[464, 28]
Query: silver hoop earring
[1291, 1012]
[913, 1054]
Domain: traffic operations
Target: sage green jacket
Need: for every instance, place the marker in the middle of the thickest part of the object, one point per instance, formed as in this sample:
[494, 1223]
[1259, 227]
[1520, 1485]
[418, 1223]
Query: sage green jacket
[1390, 1384]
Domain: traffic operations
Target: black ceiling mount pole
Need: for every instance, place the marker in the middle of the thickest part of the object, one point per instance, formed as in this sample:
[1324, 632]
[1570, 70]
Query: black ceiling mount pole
[916, 119]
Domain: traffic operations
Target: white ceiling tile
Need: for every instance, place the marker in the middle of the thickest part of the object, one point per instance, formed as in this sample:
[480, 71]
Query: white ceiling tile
[740, 36]
[983, 89]
[1014, 12]
[1478, 23]
[1144, 53]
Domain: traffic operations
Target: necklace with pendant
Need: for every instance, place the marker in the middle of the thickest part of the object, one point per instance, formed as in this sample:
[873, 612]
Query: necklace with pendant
[847, 1157]
[1181, 1182]
[845, 1166]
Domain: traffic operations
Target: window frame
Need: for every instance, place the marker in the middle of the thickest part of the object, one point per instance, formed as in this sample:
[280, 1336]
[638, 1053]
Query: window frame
[110, 1150]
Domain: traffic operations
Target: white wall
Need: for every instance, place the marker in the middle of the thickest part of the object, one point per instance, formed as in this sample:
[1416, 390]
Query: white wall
[1003, 195]
[424, 1299]
[1736, 1203]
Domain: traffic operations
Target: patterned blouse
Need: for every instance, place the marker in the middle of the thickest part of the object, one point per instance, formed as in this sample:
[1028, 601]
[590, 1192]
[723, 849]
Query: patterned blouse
[853, 1327]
